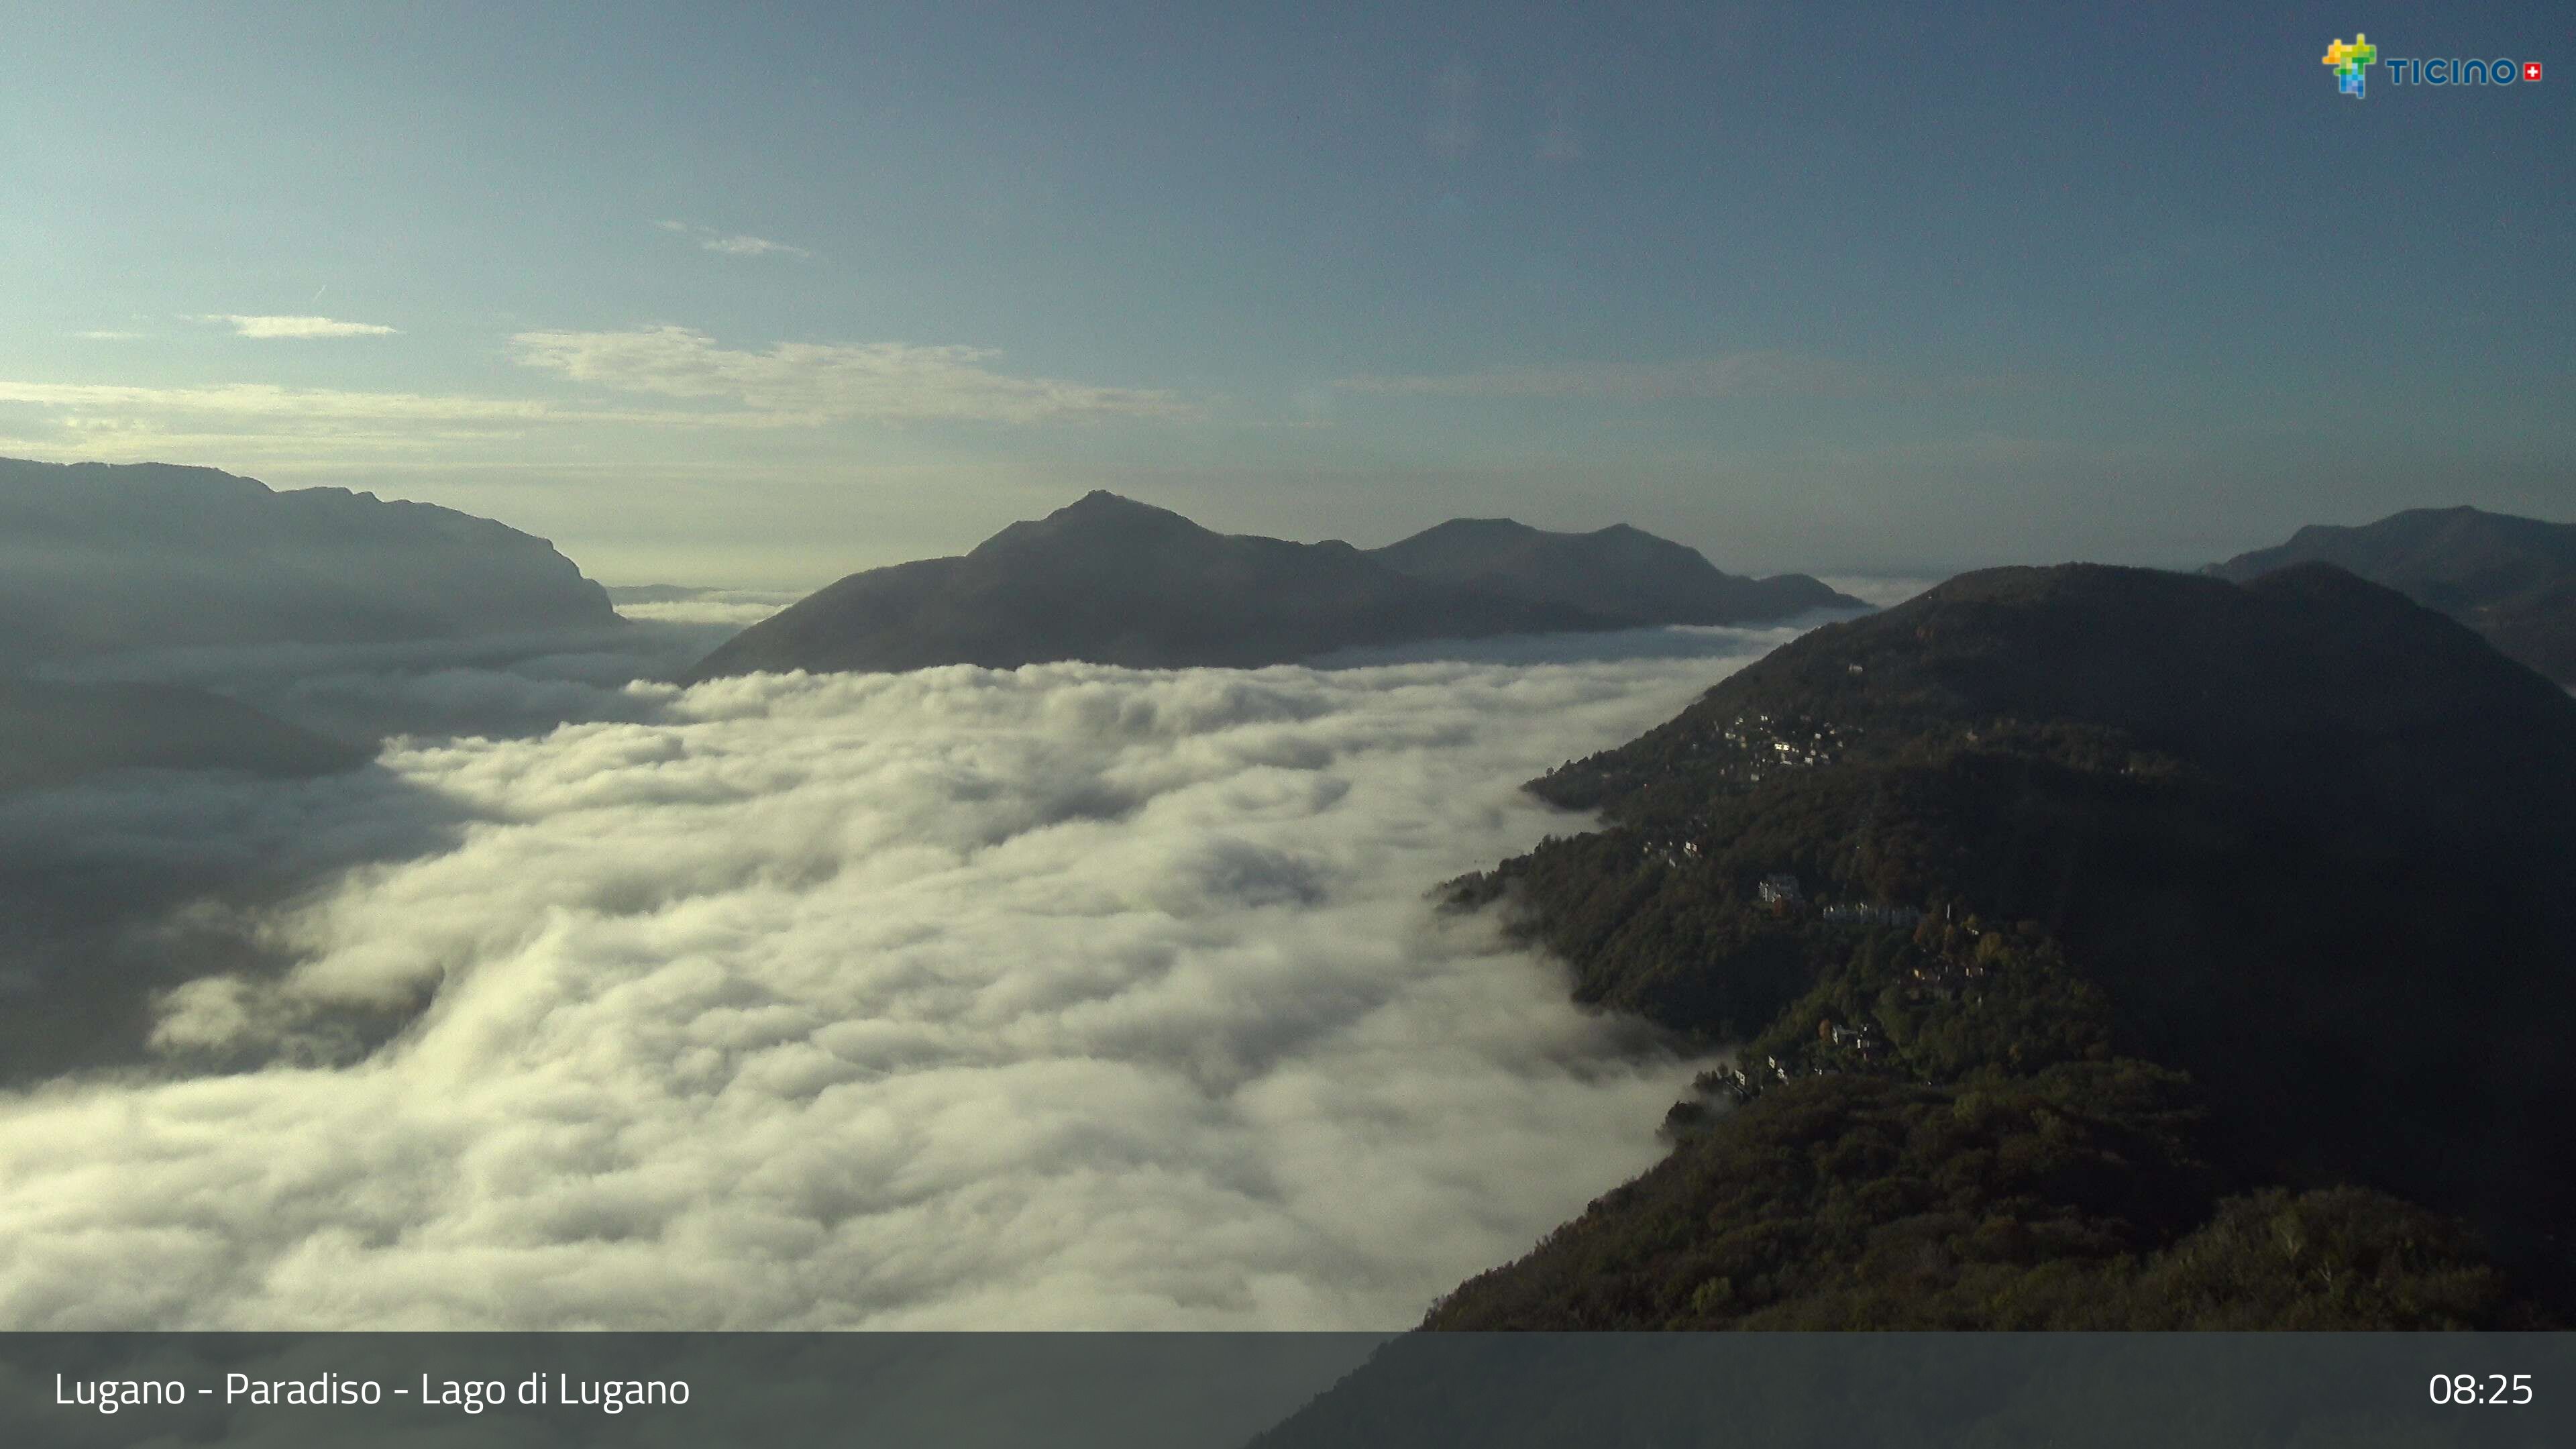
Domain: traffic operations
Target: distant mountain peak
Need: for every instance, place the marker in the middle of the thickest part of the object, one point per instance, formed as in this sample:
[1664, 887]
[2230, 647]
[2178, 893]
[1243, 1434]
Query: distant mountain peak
[1101, 500]
[1101, 508]
[1109, 580]
[1097, 520]
[2512, 579]
[1620, 571]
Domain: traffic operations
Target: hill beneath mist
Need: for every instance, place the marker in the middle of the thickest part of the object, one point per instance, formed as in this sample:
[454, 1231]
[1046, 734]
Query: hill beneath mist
[1112, 581]
[100, 914]
[2115, 949]
[2511, 579]
[98, 558]
[53, 734]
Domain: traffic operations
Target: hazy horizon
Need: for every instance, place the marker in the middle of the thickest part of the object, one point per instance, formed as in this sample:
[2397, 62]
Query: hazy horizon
[1879, 587]
[1880, 292]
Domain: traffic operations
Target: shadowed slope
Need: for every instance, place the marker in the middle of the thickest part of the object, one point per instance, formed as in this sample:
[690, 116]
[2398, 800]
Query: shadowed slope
[2512, 579]
[1113, 581]
[2184, 907]
[1620, 572]
[98, 558]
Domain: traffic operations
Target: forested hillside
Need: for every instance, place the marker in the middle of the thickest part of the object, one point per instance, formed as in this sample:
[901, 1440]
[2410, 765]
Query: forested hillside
[2106, 947]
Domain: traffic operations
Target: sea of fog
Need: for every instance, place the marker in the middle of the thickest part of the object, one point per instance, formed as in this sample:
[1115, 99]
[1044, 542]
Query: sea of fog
[1051, 998]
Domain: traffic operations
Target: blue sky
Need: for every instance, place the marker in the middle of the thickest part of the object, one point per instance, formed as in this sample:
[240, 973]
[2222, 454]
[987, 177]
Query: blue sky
[765, 294]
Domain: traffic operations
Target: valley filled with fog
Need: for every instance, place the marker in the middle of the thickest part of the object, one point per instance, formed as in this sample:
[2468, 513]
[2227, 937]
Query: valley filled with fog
[1068, 996]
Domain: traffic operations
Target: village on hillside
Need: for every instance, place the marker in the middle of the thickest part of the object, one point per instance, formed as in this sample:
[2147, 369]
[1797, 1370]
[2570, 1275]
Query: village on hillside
[1858, 1043]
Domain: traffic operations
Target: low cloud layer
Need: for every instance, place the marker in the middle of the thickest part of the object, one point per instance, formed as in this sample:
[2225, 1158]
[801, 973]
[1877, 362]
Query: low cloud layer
[117, 888]
[1059, 997]
[732, 609]
[511, 685]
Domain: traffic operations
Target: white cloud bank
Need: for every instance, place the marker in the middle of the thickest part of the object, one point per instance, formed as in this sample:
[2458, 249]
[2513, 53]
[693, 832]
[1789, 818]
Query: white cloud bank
[1061, 997]
[297, 328]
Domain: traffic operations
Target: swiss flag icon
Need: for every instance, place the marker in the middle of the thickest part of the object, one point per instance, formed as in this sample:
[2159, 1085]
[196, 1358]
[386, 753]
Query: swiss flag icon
[2531, 70]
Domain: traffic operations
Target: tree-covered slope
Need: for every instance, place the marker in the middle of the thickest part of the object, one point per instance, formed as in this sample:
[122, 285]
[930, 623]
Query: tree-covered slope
[2251, 898]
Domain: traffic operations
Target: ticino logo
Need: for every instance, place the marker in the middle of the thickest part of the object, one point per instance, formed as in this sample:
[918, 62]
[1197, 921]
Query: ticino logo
[2352, 60]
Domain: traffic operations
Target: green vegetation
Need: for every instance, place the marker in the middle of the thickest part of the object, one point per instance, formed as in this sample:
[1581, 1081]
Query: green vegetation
[2103, 948]
[2072, 1199]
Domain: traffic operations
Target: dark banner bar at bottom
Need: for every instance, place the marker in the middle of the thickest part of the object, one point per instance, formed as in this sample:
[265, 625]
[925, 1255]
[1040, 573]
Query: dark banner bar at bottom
[1289, 1391]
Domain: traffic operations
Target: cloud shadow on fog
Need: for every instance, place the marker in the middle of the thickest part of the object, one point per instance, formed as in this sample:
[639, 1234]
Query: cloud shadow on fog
[118, 888]
[122, 887]
[501, 687]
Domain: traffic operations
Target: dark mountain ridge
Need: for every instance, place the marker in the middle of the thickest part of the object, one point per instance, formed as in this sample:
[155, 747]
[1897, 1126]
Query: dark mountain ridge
[2134, 949]
[1619, 572]
[100, 558]
[2511, 579]
[1112, 581]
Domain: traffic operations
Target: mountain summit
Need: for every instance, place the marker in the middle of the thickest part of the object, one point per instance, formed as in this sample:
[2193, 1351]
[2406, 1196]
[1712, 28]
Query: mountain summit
[1113, 581]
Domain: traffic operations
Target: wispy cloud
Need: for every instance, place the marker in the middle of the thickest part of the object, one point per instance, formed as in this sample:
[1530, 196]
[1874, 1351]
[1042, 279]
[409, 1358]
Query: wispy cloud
[733, 244]
[751, 246]
[108, 335]
[261, 422]
[257, 399]
[1742, 374]
[296, 328]
[815, 383]
[709, 388]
